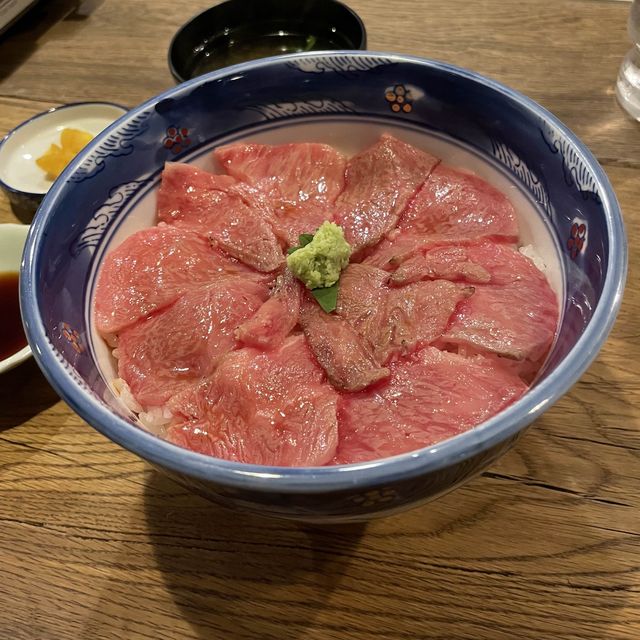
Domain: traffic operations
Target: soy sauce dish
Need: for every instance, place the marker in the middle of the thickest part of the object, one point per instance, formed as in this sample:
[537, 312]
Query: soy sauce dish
[13, 343]
[240, 30]
[346, 99]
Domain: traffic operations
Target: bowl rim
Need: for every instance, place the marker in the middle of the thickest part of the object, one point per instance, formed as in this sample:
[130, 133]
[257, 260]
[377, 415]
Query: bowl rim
[313, 480]
[220, 7]
[42, 114]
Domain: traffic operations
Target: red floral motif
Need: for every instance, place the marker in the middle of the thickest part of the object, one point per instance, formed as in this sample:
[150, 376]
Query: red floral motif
[177, 139]
[576, 240]
[399, 99]
[73, 337]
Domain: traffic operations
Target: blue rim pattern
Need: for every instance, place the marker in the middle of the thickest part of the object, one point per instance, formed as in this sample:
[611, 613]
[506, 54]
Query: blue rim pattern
[61, 107]
[323, 479]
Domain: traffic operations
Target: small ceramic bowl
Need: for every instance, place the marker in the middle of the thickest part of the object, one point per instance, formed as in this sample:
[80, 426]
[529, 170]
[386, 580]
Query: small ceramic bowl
[20, 177]
[240, 30]
[566, 207]
[12, 239]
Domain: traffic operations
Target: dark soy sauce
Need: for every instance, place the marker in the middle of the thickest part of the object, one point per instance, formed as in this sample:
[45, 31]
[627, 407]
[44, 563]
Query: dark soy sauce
[12, 337]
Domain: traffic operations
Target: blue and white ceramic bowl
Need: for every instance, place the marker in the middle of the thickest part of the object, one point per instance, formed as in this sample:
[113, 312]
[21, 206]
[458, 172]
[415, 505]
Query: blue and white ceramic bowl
[568, 211]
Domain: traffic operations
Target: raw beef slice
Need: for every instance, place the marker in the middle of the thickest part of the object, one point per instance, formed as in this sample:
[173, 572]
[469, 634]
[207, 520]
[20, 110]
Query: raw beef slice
[475, 261]
[217, 206]
[417, 315]
[348, 361]
[455, 203]
[275, 319]
[379, 182]
[400, 246]
[151, 269]
[302, 181]
[504, 263]
[396, 321]
[515, 321]
[447, 263]
[362, 301]
[431, 397]
[162, 354]
[515, 315]
[261, 407]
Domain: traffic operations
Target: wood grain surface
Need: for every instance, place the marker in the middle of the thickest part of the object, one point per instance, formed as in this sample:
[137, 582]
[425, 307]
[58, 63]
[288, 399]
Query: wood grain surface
[546, 544]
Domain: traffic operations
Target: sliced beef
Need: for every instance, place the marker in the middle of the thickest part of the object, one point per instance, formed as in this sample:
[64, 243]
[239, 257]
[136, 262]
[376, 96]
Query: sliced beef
[379, 182]
[515, 315]
[231, 214]
[301, 180]
[431, 397]
[295, 172]
[513, 311]
[399, 247]
[185, 190]
[396, 321]
[460, 204]
[151, 269]
[412, 256]
[417, 315]
[504, 263]
[261, 407]
[451, 262]
[362, 301]
[275, 319]
[515, 321]
[349, 363]
[291, 221]
[177, 346]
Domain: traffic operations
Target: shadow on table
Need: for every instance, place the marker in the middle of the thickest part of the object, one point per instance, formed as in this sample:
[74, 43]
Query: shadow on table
[239, 575]
[21, 39]
[24, 393]
[496, 559]
[22, 210]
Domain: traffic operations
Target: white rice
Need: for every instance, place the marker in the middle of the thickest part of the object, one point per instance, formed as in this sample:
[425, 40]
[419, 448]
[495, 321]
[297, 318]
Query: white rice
[155, 419]
[529, 251]
[123, 392]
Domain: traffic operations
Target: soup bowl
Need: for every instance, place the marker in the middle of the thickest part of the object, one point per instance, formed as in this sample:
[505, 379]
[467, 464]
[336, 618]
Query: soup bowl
[566, 206]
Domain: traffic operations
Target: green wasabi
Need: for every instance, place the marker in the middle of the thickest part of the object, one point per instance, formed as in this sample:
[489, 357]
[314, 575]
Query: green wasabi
[318, 263]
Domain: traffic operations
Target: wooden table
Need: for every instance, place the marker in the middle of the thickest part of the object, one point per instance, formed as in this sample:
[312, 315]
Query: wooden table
[546, 544]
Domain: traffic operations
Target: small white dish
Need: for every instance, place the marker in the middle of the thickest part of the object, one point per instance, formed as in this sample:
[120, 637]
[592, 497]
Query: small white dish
[24, 182]
[12, 240]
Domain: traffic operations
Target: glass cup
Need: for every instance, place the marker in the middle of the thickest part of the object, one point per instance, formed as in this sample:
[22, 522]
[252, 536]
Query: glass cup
[628, 83]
